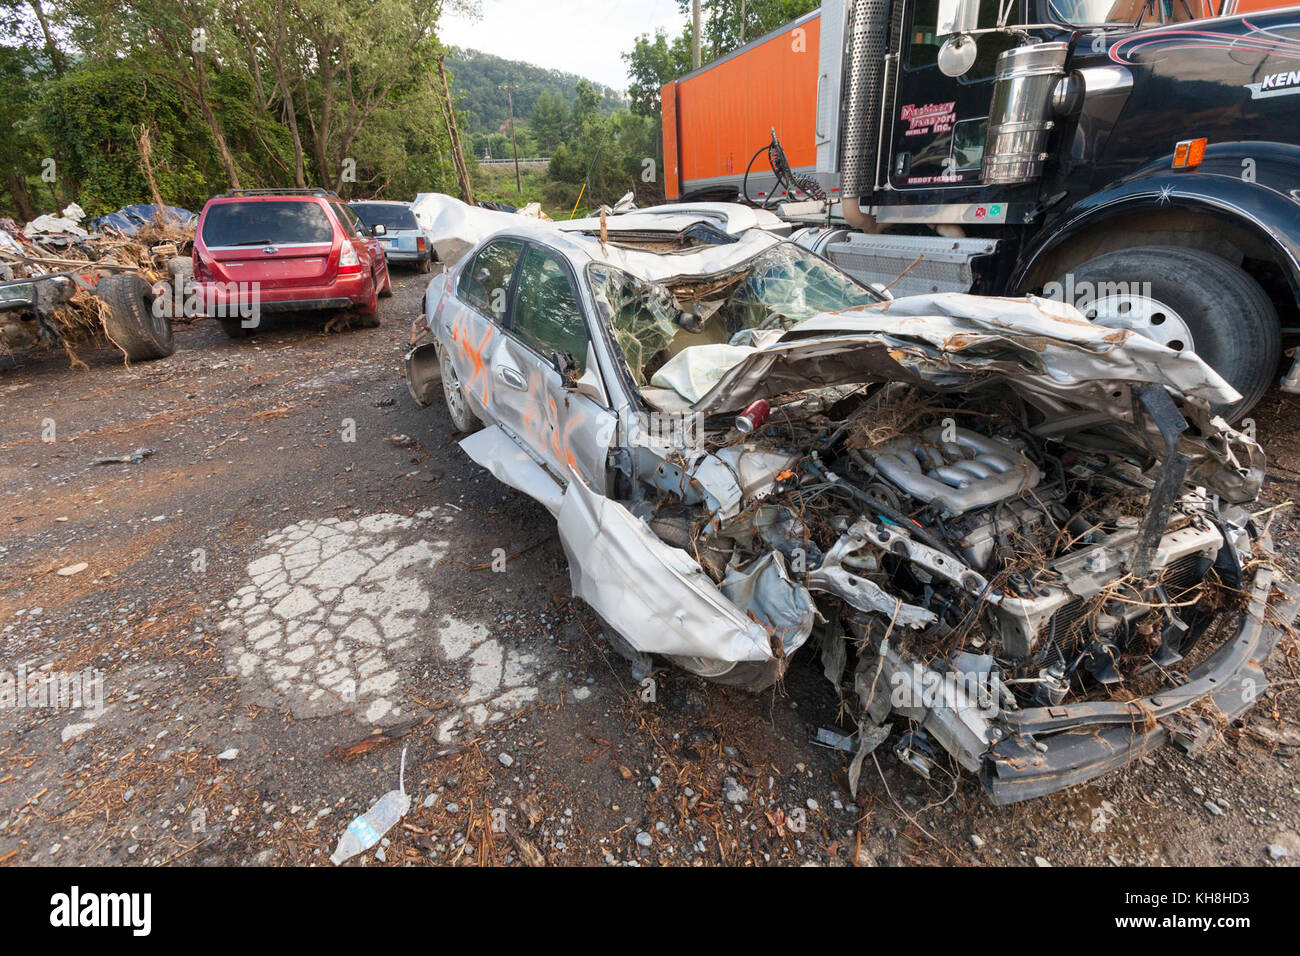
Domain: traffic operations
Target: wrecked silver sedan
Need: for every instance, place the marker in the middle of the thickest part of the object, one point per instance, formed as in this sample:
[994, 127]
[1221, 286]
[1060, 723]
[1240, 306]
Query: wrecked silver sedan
[1018, 541]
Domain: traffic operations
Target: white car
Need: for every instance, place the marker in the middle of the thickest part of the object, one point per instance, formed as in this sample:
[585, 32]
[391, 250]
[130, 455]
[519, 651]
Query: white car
[1015, 536]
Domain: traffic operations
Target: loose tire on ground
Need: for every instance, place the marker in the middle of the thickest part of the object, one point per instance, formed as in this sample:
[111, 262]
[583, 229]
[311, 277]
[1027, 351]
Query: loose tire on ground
[131, 323]
[1231, 322]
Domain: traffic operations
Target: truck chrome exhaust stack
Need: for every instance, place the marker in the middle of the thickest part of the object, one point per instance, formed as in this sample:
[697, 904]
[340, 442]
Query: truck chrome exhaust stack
[1020, 117]
[868, 42]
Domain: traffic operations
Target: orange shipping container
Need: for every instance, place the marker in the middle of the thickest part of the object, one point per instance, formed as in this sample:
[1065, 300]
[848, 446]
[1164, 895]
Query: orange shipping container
[716, 118]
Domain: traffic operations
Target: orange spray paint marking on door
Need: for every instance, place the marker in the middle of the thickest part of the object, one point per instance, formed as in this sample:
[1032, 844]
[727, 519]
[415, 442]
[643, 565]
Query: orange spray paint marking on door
[479, 370]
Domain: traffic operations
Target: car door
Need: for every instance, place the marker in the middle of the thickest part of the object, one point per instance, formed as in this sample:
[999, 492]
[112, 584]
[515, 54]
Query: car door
[474, 320]
[566, 429]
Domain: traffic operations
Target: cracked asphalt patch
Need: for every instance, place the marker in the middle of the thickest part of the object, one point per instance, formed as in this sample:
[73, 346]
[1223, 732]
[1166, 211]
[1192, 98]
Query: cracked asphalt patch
[331, 619]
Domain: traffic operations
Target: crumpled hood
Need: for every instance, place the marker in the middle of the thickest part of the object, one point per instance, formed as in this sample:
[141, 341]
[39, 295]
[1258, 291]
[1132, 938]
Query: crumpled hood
[1083, 377]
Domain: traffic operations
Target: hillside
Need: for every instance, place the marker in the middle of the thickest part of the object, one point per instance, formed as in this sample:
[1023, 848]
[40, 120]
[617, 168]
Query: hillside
[477, 80]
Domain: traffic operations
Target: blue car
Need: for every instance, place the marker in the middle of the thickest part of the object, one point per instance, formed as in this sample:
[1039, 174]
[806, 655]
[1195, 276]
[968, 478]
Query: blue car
[404, 240]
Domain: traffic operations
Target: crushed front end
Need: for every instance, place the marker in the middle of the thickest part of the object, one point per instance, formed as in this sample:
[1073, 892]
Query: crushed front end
[1022, 545]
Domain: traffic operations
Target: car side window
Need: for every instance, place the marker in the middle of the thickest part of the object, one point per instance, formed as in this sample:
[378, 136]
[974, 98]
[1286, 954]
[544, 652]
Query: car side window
[341, 212]
[485, 282]
[546, 312]
[358, 223]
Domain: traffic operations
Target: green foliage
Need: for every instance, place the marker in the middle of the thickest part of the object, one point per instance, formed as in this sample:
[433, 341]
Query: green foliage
[653, 62]
[480, 80]
[92, 117]
[22, 149]
[611, 155]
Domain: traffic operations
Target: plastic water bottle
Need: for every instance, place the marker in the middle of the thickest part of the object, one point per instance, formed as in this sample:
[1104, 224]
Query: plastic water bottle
[369, 828]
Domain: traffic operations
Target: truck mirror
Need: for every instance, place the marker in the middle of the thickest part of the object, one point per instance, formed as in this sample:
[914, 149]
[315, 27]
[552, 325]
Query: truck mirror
[957, 55]
[957, 16]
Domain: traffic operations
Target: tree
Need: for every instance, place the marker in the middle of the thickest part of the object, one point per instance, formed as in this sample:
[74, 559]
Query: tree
[650, 64]
[549, 120]
[727, 24]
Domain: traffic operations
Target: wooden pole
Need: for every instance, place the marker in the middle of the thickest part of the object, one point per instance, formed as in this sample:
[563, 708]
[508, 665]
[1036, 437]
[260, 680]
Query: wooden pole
[462, 171]
[695, 35]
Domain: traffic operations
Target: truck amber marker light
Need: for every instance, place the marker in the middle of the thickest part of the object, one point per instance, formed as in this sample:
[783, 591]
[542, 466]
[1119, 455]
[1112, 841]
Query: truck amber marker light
[1189, 153]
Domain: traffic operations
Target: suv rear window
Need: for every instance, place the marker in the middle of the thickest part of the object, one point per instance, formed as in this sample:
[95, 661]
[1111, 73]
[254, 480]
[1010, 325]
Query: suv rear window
[390, 217]
[254, 223]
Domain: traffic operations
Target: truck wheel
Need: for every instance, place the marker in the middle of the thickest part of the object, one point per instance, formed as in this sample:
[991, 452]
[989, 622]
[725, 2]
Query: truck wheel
[1187, 300]
[132, 323]
[462, 416]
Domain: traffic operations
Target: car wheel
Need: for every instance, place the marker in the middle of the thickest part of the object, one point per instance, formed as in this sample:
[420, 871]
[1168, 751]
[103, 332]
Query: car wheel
[1187, 300]
[234, 328]
[132, 323]
[748, 675]
[462, 416]
[386, 289]
[426, 265]
[371, 304]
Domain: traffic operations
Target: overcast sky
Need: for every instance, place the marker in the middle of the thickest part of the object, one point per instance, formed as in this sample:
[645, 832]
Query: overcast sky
[576, 36]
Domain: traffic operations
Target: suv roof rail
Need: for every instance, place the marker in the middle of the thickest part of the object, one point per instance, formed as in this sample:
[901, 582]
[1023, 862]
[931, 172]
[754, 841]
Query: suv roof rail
[290, 191]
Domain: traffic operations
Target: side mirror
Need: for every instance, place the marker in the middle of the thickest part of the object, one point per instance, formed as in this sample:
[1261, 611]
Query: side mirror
[380, 229]
[957, 55]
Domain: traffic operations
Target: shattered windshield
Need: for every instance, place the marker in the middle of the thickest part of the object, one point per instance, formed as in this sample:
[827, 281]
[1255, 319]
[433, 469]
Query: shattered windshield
[654, 321]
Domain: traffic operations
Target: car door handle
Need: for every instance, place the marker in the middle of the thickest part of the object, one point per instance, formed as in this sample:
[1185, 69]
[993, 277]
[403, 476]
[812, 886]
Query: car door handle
[512, 377]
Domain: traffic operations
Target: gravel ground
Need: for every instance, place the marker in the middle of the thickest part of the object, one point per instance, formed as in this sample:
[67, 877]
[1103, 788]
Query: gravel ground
[306, 557]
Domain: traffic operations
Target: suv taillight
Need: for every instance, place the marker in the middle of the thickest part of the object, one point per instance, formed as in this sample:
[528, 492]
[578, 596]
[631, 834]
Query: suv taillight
[201, 271]
[349, 261]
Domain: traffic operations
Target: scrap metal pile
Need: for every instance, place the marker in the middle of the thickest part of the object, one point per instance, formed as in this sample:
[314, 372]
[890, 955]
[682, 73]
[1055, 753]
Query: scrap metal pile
[51, 269]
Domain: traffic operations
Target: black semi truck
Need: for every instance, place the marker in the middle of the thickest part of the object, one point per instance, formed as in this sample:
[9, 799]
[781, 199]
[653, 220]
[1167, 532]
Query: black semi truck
[1133, 157]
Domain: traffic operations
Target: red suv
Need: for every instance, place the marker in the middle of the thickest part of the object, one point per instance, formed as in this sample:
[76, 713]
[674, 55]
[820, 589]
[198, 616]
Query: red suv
[266, 250]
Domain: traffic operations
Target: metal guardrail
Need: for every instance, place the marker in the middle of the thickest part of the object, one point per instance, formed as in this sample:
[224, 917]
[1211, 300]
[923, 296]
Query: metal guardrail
[534, 161]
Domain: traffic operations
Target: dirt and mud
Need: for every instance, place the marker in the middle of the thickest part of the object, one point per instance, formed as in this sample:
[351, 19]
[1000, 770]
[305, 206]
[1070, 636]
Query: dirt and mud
[306, 557]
